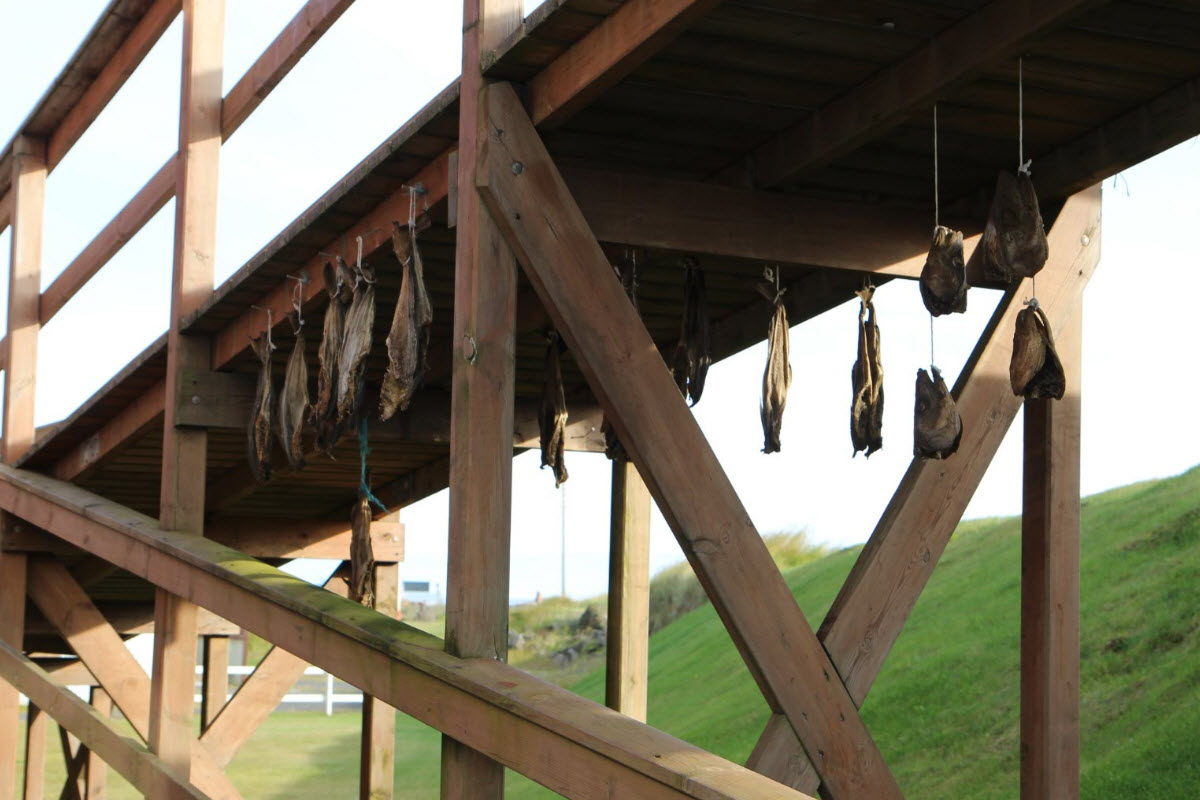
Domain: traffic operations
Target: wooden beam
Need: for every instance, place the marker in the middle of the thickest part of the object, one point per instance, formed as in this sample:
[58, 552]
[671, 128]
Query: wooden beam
[255, 699]
[137, 764]
[898, 559]
[1050, 539]
[96, 769]
[214, 686]
[111, 77]
[75, 758]
[6, 207]
[24, 283]
[127, 619]
[35, 753]
[627, 654]
[985, 38]
[67, 671]
[12, 632]
[297, 38]
[149, 200]
[565, 264]
[565, 742]
[126, 425]
[269, 537]
[622, 42]
[377, 750]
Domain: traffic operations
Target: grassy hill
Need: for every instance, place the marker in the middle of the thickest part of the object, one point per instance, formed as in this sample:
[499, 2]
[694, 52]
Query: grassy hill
[945, 708]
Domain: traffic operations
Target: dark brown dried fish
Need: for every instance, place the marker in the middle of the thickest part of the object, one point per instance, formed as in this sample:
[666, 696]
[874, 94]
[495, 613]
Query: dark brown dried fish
[408, 340]
[693, 354]
[866, 378]
[937, 427]
[356, 344]
[1014, 239]
[324, 410]
[1035, 370]
[552, 414]
[259, 432]
[777, 377]
[944, 277]
[362, 559]
[293, 400]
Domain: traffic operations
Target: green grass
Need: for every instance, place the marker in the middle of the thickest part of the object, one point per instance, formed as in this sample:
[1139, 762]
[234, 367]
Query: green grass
[945, 708]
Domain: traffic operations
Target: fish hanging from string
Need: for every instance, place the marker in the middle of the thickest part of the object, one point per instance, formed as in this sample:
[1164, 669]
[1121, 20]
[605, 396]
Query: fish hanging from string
[339, 285]
[1035, 370]
[356, 343]
[627, 273]
[937, 426]
[944, 276]
[693, 354]
[866, 378]
[259, 442]
[362, 558]
[777, 376]
[293, 400]
[408, 339]
[552, 414]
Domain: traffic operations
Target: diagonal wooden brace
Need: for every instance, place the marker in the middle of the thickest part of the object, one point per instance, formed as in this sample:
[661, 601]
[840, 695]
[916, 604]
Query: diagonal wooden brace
[533, 207]
[896, 563]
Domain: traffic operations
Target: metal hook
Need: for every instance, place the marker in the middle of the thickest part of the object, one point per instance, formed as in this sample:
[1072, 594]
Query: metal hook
[270, 325]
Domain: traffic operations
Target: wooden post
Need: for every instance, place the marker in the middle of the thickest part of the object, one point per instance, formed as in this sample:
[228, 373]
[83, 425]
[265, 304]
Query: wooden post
[628, 642]
[97, 769]
[481, 415]
[1050, 587]
[378, 755]
[185, 450]
[35, 754]
[12, 631]
[215, 688]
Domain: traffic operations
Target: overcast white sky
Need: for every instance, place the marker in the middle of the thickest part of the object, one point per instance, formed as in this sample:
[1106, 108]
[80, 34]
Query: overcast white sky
[385, 59]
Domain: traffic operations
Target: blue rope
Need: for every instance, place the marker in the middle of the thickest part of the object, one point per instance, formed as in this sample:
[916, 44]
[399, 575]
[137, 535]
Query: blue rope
[363, 449]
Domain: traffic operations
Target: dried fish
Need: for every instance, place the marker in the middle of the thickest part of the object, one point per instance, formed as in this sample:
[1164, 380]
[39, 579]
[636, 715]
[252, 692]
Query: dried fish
[777, 377]
[1014, 239]
[944, 277]
[1035, 370]
[552, 415]
[866, 377]
[324, 411]
[693, 354]
[356, 344]
[937, 427]
[293, 400]
[362, 559]
[408, 340]
[259, 432]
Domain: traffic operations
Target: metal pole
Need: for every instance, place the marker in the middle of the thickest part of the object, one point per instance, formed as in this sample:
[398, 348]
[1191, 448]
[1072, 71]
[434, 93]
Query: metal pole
[563, 496]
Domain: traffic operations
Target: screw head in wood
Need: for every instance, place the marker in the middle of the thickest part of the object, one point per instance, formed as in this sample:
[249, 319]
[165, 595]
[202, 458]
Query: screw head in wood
[517, 167]
[195, 399]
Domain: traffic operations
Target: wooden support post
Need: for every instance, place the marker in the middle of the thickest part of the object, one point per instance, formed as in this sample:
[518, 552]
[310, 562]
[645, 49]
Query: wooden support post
[628, 642]
[378, 755]
[1050, 586]
[185, 450]
[215, 679]
[75, 757]
[12, 632]
[97, 769]
[481, 410]
[35, 753]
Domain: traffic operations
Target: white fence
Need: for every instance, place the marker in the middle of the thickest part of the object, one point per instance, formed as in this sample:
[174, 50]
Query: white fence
[331, 694]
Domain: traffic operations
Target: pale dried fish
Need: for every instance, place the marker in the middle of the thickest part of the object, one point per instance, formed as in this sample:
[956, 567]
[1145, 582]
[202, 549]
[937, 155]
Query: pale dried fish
[324, 410]
[293, 400]
[937, 427]
[408, 339]
[1035, 370]
[552, 414]
[1014, 240]
[944, 276]
[777, 377]
[362, 558]
[866, 378]
[259, 432]
[356, 344]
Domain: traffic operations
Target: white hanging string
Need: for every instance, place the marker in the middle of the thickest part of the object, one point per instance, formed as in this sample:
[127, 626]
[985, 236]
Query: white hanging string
[936, 214]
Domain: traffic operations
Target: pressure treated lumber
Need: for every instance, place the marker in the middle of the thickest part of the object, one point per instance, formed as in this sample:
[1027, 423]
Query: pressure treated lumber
[12, 632]
[96, 770]
[214, 684]
[270, 537]
[569, 744]
[6, 206]
[577, 286]
[137, 764]
[377, 749]
[995, 32]
[627, 651]
[897, 561]
[35, 753]
[1050, 539]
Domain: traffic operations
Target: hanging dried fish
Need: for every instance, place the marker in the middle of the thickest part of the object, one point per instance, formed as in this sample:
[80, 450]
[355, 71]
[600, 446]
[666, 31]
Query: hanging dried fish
[1035, 370]
[944, 277]
[362, 559]
[408, 340]
[552, 415]
[1014, 239]
[693, 354]
[628, 275]
[777, 377]
[937, 427]
[293, 400]
[339, 286]
[356, 344]
[866, 378]
[259, 432]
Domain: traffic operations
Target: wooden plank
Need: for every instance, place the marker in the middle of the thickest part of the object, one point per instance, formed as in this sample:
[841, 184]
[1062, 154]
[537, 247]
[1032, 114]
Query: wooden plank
[6, 207]
[627, 38]
[483, 381]
[214, 686]
[270, 537]
[377, 757]
[97, 770]
[1050, 540]
[105, 85]
[12, 631]
[209, 399]
[24, 283]
[898, 559]
[35, 753]
[127, 425]
[137, 764]
[149, 200]
[627, 655]
[75, 758]
[985, 38]
[255, 699]
[565, 742]
[297, 38]
[67, 671]
[566, 266]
